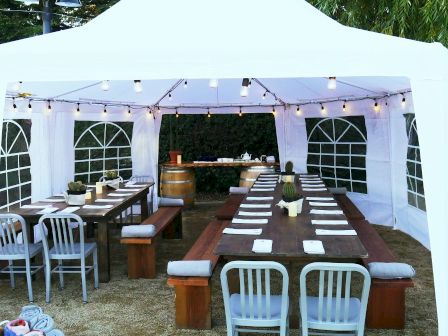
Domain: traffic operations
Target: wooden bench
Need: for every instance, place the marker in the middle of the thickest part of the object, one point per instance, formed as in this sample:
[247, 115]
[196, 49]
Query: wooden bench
[386, 308]
[141, 251]
[230, 207]
[193, 294]
[350, 210]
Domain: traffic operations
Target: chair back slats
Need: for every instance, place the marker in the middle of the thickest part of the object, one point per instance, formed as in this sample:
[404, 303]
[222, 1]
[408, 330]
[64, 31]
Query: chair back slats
[334, 297]
[348, 282]
[9, 244]
[255, 289]
[142, 179]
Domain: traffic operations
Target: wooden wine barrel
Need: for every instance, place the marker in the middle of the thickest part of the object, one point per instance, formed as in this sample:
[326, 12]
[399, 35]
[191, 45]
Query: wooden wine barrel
[178, 183]
[250, 174]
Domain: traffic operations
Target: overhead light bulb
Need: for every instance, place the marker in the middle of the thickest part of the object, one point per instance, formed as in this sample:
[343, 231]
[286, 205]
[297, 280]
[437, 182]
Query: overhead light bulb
[138, 87]
[244, 91]
[322, 109]
[240, 113]
[264, 95]
[159, 110]
[298, 111]
[49, 107]
[177, 114]
[403, 102]
[209, 114]
[185, 84]
[274, 112]
[129, 110]
[16, 86]
[250, 84]
[213, 83]
[78, 110]
[149, 111]
[170, 97]
[14, 106]
[331, 83]
[30, 108]
[344, 107]
[376, 107]
[105, 85]
[105, 109]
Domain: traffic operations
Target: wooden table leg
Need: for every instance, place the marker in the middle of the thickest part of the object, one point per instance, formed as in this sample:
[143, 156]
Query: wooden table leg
[103, 251]
[293, 272]
[144, 207]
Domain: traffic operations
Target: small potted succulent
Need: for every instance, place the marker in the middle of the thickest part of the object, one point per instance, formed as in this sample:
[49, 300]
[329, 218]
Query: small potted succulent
[76, 193]
[288, 175]
[112, 179]
[292, 199]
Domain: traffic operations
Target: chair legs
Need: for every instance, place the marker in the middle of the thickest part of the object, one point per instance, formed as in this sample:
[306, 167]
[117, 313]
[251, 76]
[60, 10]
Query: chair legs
[47, 281]
[83, 280]
[28, 280]
[95, 269]
[61, 275]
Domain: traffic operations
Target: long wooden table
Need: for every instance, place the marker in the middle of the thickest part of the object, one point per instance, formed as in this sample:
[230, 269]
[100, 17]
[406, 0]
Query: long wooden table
[100, 216]
[287, 234]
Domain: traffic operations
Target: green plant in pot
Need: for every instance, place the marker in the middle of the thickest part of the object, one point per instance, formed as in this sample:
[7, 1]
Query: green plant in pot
[291, 196]
[76, 193]
[110, 175]
[288, 175]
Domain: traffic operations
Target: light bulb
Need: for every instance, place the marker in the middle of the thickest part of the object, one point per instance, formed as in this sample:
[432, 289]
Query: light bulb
[298, 111]
[274, 112]
[49, 107]
[105, 85]
[16, 86]
[159, 110]
[185, 84]
[78, 110]
[403, 102]
[138, 87]
[208, 114]
[213, 83]
[177, 114]
[240, 113]
[129, 110]
[149, 111]
[376, 107]
[322, 109]
[105, 109]
[344, 107]
[264, 95]
[170, 97]
[14, 106]
[30, 108]
[244, 91]
[331, 83]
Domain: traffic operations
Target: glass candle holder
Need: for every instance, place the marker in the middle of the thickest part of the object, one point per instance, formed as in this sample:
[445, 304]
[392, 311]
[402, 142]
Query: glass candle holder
[179, 159]
[88, 195]
[99, 187]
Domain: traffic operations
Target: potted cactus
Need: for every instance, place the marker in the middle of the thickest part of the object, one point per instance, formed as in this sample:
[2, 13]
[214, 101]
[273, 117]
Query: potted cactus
[288, 175]
[76, 193]
[112, 179]
[110, 175]
[292, 198]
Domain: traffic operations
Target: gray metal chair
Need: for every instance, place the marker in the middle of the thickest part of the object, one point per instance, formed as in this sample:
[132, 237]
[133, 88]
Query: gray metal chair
[66, 248]
[252, 307]
[334, 310]
[11, 250]
[143, 179]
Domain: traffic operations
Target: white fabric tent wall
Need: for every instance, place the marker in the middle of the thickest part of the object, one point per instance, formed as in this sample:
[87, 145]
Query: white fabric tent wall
[229, 54]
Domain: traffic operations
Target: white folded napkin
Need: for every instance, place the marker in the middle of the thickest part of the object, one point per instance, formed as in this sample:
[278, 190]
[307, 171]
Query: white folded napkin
[120, 194]
[317, 181]
[329, 222]
[262, 246]
[267, 179]
[308, 175]
[31, 206]
[321, 232]
[259, 198]
[320, 199]
[262, 189]
[130, 183]
[47, 211]
[255, 206]
[127, 189]
[312, 185]
[106, 206]
[54, 200]
[326, 212]
[242, 231]
[109, 200]
[255, 214]
[268, 175]
[314, 189]
[249, 221]
[323, 204]
[310, 179]
[90, 185]
[264, 185]
[266, 182]
[313, 247]
[69, 209]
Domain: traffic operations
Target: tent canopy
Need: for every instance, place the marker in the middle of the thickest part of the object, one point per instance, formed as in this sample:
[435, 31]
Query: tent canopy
[289, 46]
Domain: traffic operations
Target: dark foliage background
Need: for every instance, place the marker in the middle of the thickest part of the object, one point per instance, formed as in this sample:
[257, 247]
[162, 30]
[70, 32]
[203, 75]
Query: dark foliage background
[221, 136]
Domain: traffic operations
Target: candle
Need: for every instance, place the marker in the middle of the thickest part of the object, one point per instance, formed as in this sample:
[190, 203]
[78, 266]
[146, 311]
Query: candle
[179, 159]
[88, 195]
[99, 187]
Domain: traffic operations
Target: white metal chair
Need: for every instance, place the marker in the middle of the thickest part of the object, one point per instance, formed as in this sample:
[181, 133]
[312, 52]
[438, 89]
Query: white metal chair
[143, 179]
[11, 250]
[251, 307]
[103, 179]
[66, 248]
[334, 309]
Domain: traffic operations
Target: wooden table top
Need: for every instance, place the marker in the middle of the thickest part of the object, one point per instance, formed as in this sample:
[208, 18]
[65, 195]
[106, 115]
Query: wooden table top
[288, 233]
[203, 164]
[89, 214]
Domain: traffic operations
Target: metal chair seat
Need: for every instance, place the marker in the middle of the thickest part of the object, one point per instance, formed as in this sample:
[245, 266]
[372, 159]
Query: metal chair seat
[275, 306]
[17, 252]
[354, 308]
[71, 252]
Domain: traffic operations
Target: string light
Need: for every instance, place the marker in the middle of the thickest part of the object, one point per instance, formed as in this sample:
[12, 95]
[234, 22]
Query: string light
[14, 106]
[78, 110]
[264, 95]
[376, 106]
[245, 87]
[170, 97]
[159, 110]
[138, 87]
[185, 84]
[149, 110]
[298, 111]
[129, 110]
[403, 101]
[177, 114]
[274, 113]
[105, 109]
[105, 85]
[49, 107]
[240, 113]
[331, 85]
[344, 107]
[213, 83]
[30, 108]
[208, 113]
[322, 109]
[16, 86]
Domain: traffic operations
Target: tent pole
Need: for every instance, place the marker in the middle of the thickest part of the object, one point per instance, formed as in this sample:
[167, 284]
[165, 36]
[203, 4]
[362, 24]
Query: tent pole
[46, 18]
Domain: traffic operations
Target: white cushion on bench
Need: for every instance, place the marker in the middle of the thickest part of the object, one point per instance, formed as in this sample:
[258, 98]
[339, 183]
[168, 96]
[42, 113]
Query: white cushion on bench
[138, 231]
[392, 270]
[166, 202]
[190, 268]
[239, 190]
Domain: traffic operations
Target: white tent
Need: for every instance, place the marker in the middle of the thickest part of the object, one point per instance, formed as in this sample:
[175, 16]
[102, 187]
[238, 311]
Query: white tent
[289, 46]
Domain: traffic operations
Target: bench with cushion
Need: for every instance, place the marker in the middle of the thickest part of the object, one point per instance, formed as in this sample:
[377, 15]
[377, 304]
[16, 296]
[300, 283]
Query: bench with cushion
[141, 250]
[386, 308]
[193, 293]
[230, 207]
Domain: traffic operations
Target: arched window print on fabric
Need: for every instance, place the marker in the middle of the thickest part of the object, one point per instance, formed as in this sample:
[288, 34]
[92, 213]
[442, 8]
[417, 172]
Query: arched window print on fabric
[416, 192]
[337, 151]
[15, 164]
[101, 146]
